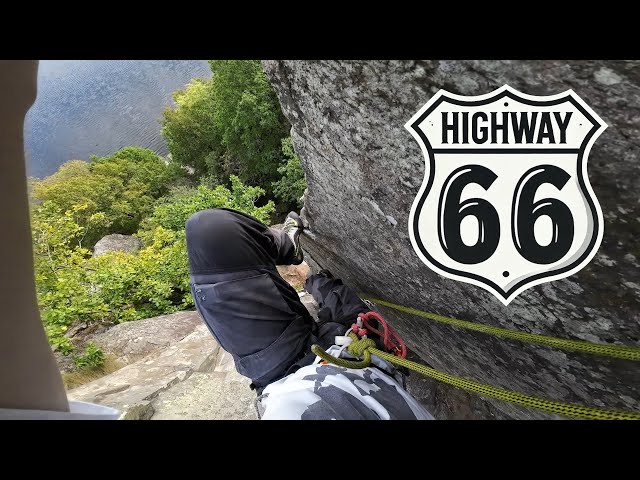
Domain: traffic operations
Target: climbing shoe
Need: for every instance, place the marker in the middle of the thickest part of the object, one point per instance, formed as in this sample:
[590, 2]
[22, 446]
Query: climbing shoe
[325, 273]
[293, 228]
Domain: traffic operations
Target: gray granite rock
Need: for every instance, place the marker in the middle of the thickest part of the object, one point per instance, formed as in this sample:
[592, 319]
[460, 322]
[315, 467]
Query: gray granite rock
[131, 341]
[364, 170]
[133, 388]
[117, 243]
[221, 394]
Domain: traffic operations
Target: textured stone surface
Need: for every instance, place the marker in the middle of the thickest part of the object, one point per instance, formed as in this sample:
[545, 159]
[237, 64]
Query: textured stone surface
[132, 388]
[364, 169]
[207, 396]
[295, 274]
[132, 341]
[175, 368]
[222, 394]
[117, 243]
[308, 301]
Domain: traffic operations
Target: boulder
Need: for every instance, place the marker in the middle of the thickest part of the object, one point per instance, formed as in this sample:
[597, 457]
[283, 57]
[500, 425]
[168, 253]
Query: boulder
[131, 341]
[364, 170]
[117, 243]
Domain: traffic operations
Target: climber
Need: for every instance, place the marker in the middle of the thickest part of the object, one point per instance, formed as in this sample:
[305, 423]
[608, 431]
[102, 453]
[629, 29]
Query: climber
[259, 319]
[235, 284]
[247, 305]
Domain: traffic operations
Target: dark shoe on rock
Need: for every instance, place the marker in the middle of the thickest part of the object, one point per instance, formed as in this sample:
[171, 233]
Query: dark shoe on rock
[293, 228]
[325, 273]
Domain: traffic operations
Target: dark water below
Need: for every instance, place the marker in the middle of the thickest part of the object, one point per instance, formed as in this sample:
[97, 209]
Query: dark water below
[87, 107]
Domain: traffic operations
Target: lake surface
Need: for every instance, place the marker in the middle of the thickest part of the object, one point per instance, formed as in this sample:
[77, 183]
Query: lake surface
[95, 107]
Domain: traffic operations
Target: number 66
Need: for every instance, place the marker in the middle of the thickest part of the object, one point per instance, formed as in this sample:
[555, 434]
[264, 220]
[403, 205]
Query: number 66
[524, 214]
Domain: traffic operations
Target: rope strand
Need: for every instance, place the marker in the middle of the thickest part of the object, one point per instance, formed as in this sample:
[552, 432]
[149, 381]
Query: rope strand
[366, 347]
[615, 351]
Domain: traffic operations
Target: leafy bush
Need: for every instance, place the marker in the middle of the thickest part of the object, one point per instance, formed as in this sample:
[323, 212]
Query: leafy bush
[57, 340]
[248, 115]
[119, 286]
[117, 191]
[190, 130]
[290, 188]
[91, 358]
[173, 210]
[231, 124]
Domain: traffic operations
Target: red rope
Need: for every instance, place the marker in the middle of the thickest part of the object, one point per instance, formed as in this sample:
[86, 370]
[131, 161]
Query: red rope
[395, 344]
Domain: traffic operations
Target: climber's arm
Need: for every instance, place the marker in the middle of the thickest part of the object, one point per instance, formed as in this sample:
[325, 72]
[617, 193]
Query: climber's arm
[29, 377]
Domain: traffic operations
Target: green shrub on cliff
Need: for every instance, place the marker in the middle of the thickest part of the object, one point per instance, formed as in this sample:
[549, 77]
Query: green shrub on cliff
[75, 287]
[173, 210]
[231, 124]
[117, 191]
[92, 357]
[290, 188]
[248, 114]
[190, 130]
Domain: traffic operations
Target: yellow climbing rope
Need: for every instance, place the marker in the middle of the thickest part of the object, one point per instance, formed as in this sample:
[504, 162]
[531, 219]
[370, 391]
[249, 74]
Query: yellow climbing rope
[616, 351]
[367, 347]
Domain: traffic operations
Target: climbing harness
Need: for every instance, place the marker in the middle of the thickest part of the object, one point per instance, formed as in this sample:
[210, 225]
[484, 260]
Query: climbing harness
[615, 351]
[361, 346]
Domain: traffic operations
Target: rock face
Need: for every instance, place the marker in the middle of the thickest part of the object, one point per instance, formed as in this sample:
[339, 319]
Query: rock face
[220, 394]
[133, 388]
[364, 170]
[184, 375]
[131, 341]
[117, 243]
[190, 378]
[175, 368]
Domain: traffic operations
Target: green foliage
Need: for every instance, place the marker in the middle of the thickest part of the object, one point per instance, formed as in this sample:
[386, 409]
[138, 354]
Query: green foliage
[114, 287]
[290, 188]
[190, 131]
[136, 165]
[58, 256]
[58, 341]
[91, 358]
[173, 210]
[230, 124]
[248, 114]
[149, 283]
[116, 191]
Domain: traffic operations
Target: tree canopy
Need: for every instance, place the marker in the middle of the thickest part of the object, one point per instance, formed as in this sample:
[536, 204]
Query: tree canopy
[116, 191]
[231, 124]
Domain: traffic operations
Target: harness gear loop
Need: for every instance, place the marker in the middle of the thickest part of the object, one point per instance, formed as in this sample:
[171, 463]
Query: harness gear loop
[363, 351]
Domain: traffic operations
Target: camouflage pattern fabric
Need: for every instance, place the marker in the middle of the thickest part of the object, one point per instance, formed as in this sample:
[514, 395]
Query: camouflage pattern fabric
[325, 391]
